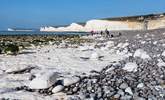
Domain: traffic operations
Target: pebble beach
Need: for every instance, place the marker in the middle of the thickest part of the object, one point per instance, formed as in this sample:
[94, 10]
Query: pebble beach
[126, 67]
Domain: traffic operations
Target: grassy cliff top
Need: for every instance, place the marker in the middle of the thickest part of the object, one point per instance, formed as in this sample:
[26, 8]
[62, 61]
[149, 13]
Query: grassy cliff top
[136, 17]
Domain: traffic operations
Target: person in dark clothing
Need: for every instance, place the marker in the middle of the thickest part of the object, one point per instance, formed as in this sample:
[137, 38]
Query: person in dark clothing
[119, 34]
[101, 32]
[107, 33]
[92, 32]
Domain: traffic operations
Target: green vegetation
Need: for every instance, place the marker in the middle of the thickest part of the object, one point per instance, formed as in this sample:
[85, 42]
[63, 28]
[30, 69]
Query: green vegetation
[14, 44]
[11, 49]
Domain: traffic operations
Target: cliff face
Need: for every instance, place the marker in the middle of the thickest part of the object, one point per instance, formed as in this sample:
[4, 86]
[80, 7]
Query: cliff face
[122, 23]
[98, 25]
[73, 27]
[159, 23]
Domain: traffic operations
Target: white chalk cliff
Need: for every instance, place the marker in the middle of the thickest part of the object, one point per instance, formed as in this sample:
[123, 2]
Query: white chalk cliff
[100, 25]
[95, 25]
[72, 27]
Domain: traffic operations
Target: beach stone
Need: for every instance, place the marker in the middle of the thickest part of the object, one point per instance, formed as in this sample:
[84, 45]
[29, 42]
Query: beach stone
[44, 81]
[121, 92]
[160, 63]
[89, 88]
[126, 97]
[163, 53]
[130, 67]
[94, 81]
[140, 85]
[70, 80]
[13, 69]
[75, 89]
[99, 94]
[117, 96]
[129, 90]
[57, 88]
[123, 86]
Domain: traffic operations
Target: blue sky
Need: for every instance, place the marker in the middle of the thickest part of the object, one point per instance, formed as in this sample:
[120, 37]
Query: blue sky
[36, 13]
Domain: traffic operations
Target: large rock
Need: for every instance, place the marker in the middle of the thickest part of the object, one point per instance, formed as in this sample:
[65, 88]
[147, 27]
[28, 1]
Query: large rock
[123, 86]
[131, 67]
[16, 68]
[163, 53]
[160, 63]
[44, 81]
[70, 80]
[129, 90]
[57, 89]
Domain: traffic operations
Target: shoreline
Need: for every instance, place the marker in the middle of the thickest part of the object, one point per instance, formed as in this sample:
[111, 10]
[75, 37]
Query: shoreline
[25, 33]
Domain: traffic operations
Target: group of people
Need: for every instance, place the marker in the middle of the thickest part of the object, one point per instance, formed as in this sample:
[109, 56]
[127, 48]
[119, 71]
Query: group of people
[105, 33]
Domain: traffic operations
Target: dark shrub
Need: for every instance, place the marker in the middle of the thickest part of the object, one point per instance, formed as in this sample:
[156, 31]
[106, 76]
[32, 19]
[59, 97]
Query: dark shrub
[11, 49]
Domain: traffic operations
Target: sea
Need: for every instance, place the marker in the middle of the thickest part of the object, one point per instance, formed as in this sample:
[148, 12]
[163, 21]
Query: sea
[23, 33]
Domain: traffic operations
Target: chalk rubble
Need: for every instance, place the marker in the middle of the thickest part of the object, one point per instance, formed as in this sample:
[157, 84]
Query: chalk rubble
[129, 90]
[142, 54]
[130, 67]
[44, 81]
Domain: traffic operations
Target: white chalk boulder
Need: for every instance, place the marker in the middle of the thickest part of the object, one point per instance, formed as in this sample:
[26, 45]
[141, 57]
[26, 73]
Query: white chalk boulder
[70, 80]
[130, 67]
[129, 90]
[163, 53]
[140, 85]
[142, 54]
[44, 81]
[57, 89]
[15, 68]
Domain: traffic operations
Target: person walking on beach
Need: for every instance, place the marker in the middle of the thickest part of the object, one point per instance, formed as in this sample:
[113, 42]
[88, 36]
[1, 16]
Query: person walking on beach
[107, 33]
[101, 33]
[92, 32]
